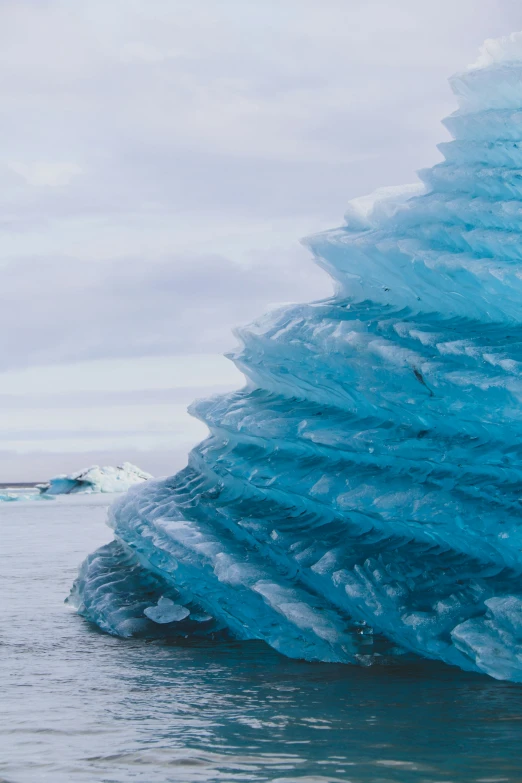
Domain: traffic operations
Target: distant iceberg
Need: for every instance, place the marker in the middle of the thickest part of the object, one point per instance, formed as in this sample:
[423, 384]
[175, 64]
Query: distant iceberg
[16, 497]
[361, 497]
[96, 479]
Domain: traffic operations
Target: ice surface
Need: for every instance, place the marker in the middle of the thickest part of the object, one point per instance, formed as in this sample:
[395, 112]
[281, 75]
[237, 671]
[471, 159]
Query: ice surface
[361, 496]
[96, 479]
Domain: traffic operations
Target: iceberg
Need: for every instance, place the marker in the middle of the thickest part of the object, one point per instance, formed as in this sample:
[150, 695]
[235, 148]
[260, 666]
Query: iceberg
[95, 479]
[361, 497]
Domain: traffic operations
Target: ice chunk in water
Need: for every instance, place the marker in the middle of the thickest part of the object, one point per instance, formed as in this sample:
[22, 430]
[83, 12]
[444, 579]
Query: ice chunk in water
[166, 611]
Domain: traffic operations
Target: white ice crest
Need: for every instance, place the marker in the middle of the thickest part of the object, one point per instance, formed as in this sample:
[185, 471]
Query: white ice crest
[506, 49]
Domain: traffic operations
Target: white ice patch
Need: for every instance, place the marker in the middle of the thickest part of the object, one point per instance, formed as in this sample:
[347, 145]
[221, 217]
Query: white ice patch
[375, 208]
[506, 49]
[166, 611]
[201, 618]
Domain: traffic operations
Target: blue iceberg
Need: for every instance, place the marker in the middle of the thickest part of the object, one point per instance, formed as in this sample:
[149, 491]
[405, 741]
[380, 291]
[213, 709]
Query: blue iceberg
[361, 497]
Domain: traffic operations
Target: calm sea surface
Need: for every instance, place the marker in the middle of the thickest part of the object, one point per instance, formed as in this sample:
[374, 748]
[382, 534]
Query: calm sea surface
[77, 705]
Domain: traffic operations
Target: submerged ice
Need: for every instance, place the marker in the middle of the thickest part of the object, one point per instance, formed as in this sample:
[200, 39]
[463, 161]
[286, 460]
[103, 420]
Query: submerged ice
[361, 496]
[96, 479]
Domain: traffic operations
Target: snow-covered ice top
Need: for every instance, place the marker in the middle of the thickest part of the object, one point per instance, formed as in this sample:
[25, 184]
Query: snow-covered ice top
[495, 51]
[96, 479]
[360, 498]
[494, 81]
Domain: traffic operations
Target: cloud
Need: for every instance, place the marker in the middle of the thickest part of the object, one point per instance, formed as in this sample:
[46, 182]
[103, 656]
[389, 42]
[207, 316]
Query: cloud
[118, 378]
[259, 109]
[57, 310]
[117, 406]
[159, 161]
[180, 155]
[46, 174]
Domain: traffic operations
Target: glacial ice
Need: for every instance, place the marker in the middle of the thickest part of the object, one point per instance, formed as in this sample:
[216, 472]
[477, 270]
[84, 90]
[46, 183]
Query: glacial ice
[166, 611]
[360, 497]
[96, 479]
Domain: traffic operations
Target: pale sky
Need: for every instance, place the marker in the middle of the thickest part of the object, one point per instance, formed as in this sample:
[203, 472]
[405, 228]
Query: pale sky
[159, 162]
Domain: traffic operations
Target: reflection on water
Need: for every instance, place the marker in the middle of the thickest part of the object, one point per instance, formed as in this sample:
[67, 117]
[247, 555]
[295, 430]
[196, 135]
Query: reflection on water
[81, 706]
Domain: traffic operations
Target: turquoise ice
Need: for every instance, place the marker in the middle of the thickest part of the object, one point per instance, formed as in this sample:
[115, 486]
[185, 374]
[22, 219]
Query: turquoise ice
[360, 497]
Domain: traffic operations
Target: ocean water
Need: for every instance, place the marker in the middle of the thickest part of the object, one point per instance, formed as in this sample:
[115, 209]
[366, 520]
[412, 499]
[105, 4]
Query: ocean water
[77, 705]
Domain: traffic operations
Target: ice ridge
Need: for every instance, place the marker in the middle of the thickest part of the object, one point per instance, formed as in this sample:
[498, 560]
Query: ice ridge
[360, 498]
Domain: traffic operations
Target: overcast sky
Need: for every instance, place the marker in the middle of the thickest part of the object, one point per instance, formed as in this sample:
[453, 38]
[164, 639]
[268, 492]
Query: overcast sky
[159, 162]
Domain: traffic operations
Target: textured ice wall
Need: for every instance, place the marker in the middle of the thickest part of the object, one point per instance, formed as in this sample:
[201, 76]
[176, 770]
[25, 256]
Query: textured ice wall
[96, 479]
[361, 496]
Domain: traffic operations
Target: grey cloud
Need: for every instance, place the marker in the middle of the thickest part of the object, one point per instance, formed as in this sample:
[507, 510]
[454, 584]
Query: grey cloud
[260, 108]
[100, 399]
[239, 111]
[59, 311]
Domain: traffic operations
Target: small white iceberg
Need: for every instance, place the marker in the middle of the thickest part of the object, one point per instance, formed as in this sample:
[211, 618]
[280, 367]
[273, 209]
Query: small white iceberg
[95, 479]
[166, 611]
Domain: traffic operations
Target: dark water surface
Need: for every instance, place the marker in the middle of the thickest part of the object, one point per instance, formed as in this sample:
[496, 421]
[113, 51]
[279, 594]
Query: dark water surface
[81, 706]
